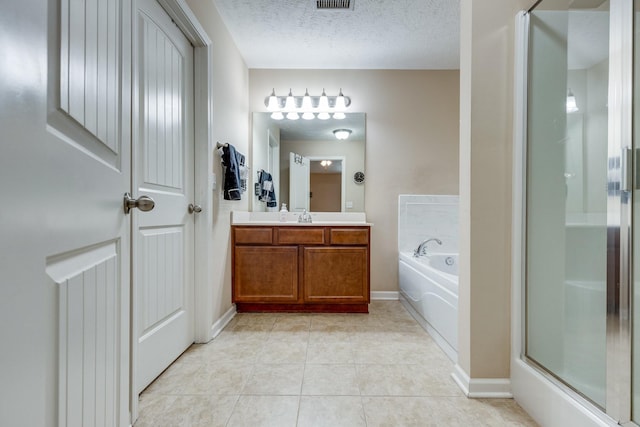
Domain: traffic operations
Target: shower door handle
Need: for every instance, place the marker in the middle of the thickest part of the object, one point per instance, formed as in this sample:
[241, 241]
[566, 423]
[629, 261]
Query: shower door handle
[626, 169]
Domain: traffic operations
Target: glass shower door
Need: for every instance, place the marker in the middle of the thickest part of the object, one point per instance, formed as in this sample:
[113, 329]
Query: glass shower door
[568, 241]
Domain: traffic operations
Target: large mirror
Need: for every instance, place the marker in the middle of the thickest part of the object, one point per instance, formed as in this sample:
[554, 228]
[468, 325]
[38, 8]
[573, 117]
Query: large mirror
[309, 167]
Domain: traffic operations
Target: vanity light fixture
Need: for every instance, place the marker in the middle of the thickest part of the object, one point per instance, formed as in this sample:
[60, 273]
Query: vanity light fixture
[310, 107]
[342, 134]
[572, 107]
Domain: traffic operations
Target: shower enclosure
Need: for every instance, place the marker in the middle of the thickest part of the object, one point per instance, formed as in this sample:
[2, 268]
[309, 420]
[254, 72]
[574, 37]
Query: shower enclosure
[578, 203]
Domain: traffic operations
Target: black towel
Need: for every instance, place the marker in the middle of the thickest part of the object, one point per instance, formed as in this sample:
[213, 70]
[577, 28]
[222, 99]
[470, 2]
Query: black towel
[267, 192]
[232, 182]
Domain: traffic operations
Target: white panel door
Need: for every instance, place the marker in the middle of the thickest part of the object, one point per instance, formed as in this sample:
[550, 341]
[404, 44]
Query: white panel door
[299, 185]
[65, 162]
[163, 237]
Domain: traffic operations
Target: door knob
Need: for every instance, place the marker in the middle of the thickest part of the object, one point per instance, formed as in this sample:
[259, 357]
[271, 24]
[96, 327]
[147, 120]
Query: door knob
[144, 203]
[194, 208]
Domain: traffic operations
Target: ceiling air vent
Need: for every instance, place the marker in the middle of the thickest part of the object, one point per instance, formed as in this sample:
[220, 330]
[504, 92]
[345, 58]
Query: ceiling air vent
[334, 4]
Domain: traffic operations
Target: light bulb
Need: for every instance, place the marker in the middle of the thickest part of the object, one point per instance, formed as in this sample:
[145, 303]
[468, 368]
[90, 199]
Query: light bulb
[306, 101]
[308, 115]
[340, 102]
[273, 102]
[292, 115]
[277, 115]
[339, 116]
[342, 134]
[290, 103]
[323, 104]
[572, 107]
[324, 115]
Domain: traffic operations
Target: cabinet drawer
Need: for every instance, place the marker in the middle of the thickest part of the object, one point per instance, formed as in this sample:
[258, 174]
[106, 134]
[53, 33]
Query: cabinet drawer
[349, 236]
[306, 235]
[253, 235]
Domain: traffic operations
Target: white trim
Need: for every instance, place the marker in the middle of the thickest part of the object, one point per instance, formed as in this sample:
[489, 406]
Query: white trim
[223, 321]
[385, 295]
[495, 388]
[188, 23]
[204, 297]
[518, 185]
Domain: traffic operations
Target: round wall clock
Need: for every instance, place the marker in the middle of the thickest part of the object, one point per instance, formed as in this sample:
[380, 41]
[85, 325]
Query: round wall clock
[358, 177]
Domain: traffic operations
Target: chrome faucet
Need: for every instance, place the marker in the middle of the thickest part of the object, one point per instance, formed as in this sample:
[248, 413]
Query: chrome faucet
[305, 217]
[422, 247]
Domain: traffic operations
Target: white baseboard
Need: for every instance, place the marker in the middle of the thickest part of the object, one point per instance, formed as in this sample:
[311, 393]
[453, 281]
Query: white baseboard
[217, 327]
[499, 388]
[385, 296]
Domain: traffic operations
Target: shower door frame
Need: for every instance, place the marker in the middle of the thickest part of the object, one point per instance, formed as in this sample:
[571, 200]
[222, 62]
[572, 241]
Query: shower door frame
[535, 388]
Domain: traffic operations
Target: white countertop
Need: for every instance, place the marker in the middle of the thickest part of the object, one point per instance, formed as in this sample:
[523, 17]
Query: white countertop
[318, 218]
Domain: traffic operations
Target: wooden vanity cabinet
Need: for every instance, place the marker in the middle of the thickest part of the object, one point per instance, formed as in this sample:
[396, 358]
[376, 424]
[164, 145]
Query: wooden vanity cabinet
[300, 268]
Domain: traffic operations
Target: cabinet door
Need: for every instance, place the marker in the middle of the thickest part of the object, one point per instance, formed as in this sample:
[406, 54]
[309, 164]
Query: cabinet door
[336, 274]
[265, 274]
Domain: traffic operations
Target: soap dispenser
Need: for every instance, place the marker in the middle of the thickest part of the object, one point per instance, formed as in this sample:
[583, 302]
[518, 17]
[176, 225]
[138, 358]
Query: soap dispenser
[283, 213]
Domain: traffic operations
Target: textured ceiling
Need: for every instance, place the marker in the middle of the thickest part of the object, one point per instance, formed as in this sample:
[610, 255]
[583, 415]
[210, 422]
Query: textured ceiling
[376, 34]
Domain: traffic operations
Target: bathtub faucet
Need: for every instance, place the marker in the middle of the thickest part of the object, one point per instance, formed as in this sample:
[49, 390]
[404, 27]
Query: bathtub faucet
[422, 247]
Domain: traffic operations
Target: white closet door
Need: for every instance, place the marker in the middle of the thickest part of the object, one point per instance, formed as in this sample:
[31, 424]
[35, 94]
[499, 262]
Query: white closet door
[164, 237]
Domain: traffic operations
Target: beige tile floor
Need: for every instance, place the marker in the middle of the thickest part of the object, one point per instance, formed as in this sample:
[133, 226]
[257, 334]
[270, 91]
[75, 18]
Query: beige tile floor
[380, 369]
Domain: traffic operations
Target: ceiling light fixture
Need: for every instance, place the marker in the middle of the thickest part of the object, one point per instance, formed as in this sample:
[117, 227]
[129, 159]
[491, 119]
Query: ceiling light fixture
[342, 134]
[322, 107]
[325, 163]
